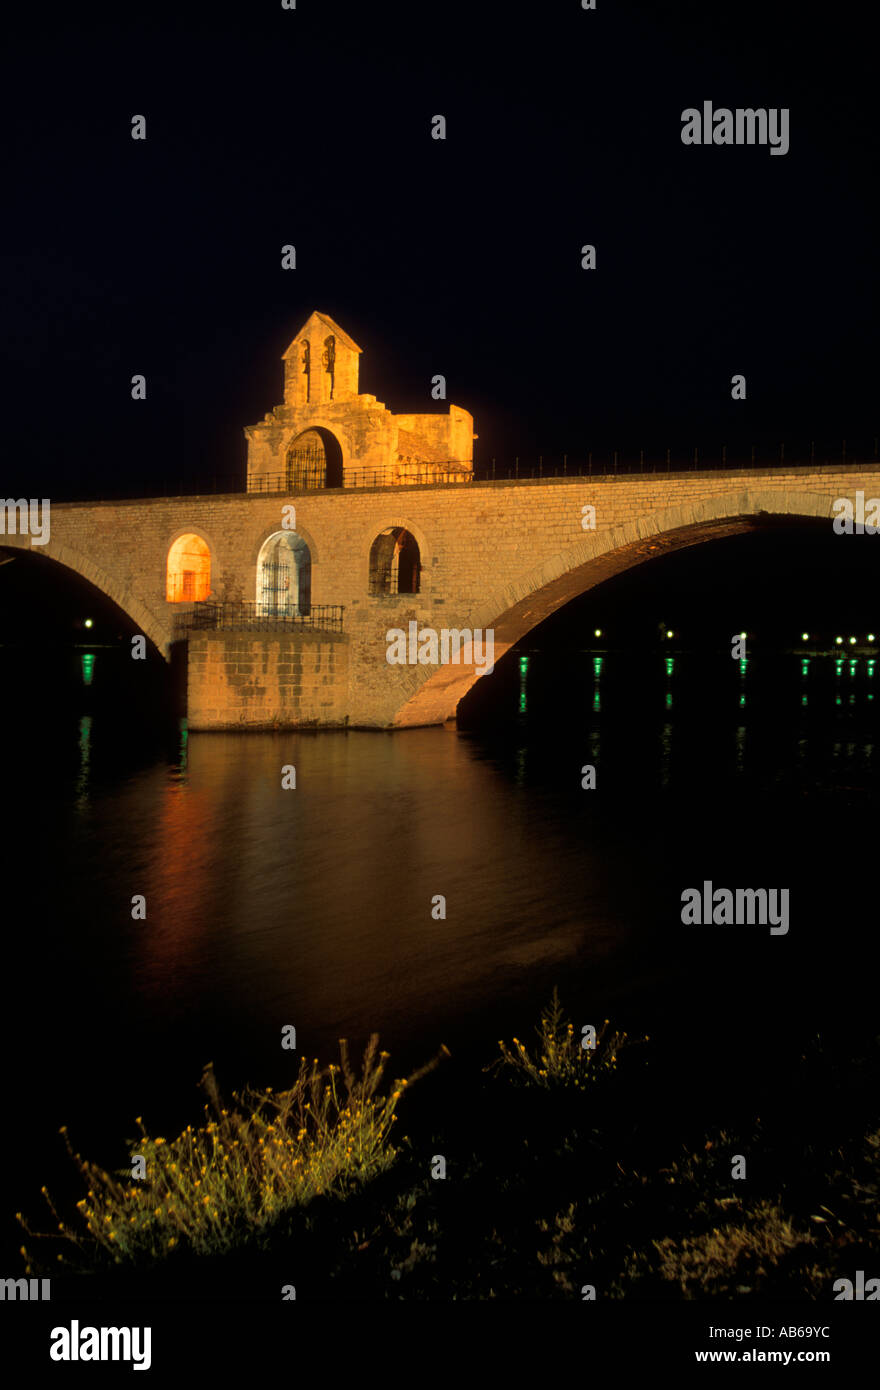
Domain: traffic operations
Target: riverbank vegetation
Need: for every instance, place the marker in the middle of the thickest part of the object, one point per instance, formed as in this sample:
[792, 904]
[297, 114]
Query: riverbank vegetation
[559, 1168]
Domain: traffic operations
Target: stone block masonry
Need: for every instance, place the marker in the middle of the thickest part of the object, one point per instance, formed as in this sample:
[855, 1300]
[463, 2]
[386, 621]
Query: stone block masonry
[250, 680]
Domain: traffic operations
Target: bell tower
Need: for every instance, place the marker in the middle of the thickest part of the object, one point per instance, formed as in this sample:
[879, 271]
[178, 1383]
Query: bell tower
[321, 364]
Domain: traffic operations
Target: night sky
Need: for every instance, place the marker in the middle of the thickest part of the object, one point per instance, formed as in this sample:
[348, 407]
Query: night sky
[460, 257]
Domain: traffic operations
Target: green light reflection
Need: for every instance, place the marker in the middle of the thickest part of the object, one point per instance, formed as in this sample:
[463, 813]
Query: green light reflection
[85, 739]
[523, 676]
[183, 748]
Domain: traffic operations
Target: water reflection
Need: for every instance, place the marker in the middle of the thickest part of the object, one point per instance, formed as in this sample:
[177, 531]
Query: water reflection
[670, 671]
[312, 907]
[183, 750]
[85, 744]
[665, 752]
[740, 747]
[597, 678]
[523, 676]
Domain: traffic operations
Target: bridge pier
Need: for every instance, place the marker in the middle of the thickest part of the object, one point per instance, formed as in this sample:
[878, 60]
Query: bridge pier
[254, 680]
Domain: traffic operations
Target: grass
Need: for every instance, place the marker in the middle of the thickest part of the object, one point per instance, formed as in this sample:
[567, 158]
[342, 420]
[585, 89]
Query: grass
[562, 1060]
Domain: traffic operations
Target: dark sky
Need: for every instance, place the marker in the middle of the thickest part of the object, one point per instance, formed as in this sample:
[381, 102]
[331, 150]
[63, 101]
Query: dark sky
[462, 257]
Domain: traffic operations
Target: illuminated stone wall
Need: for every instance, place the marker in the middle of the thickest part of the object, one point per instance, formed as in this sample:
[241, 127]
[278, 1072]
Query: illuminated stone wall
[247, 680]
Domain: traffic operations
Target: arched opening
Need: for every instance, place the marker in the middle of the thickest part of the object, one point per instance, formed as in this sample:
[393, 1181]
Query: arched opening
[330, 361]
[307, 367]
[188, 574]
[66, 647]
[395, 562]
[314, 460]
[284, 577]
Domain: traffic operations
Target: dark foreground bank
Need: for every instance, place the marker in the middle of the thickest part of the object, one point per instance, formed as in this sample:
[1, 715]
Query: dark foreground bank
[556, 1173]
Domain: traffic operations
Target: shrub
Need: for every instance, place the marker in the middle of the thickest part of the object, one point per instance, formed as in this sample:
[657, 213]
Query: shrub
[560, 1060]
[226, 1182]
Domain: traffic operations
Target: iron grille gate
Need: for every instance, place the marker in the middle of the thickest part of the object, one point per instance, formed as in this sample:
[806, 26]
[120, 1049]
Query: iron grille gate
[285, 587]
[275, 596]
[306, 467]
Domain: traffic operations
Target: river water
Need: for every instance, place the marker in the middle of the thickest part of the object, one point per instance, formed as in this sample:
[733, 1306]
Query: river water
[313, 907]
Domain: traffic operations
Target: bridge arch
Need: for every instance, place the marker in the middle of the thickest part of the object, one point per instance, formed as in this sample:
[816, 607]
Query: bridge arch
[512, 611]
[157, 629]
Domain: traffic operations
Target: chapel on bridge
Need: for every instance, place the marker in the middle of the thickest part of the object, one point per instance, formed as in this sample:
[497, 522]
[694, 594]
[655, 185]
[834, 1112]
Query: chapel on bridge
[326, 434]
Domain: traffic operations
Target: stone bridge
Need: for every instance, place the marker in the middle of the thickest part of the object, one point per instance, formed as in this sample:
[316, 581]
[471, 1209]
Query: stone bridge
[481, 555]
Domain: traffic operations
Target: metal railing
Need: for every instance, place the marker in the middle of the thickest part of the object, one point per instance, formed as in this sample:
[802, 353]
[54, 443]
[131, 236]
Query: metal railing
[396, 475]
[404, 474]
[594, 463]
[720, 458]
[242, 615]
